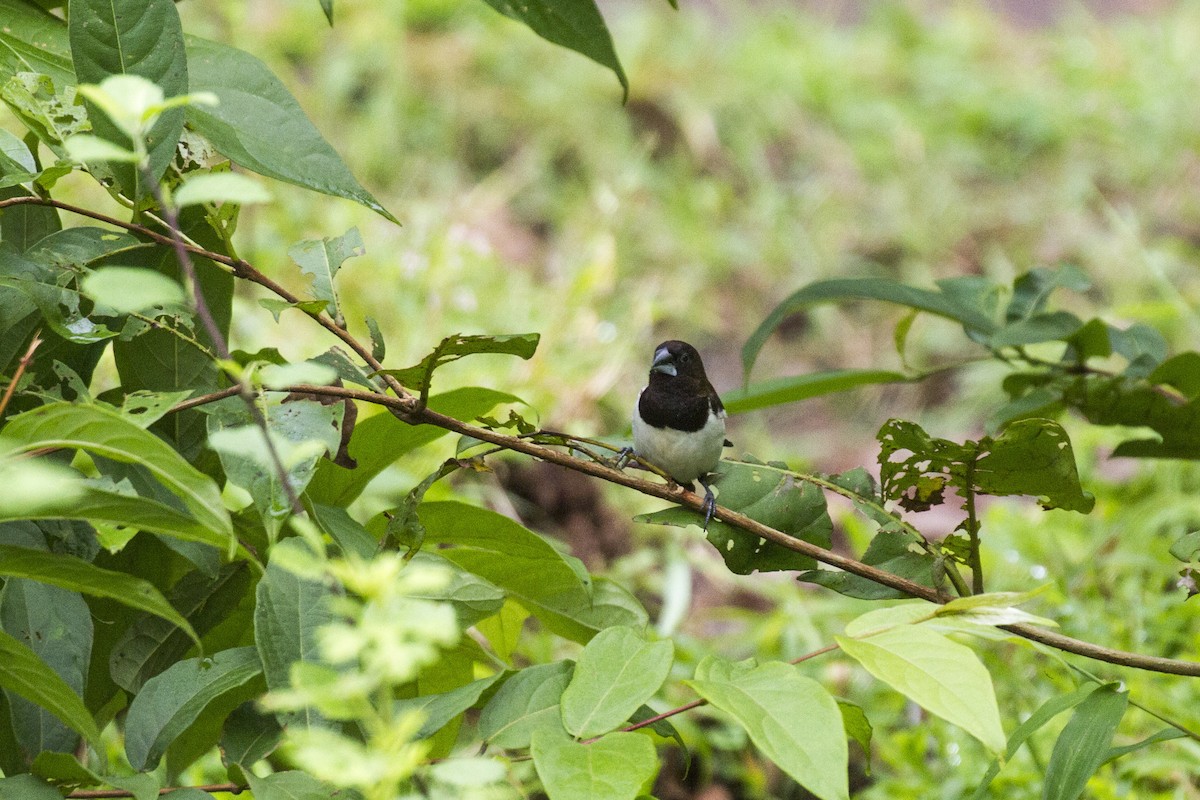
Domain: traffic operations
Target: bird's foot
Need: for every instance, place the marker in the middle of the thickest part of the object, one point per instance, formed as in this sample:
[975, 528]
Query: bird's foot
[710, 504]
[624, 457]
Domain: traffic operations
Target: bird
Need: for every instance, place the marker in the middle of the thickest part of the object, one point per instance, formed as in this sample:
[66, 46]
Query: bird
[679, 420]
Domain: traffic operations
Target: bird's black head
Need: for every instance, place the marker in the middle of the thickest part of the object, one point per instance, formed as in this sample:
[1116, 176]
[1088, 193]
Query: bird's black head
[675, 360]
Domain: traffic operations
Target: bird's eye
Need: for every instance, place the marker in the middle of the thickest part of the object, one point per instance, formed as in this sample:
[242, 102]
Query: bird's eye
[685, 357]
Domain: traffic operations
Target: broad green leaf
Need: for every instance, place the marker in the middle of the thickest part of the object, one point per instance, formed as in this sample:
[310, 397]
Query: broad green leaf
[132, 37]
[1084, 742]
[527, 702]
[1186, 547]
[57, 626]
[109, 505]
[36, 488]
[877, 620]
[105, 432]
[473, 597]
[170, 702]
[1054, 326]
[778, 391]
[33, 40]
[220, 187]
[573, 24]
[260, 126]
[1032, 290]
[87, 149]
[26, 675]
[770, 494]
[1181, 372]
[287, 613]
[617, 672]
[614, 767]
[1131, 402]
[151, 644]
[891, 550]
[770, 701]
[503, 628]
[417, 378]
[290, 785]
[249, 736]
[127, 289]
[858, 727]
[439, 709]
[68, 572]
[26, 787]
[945, 678]
[1164, 735]
[1046, 712]
[956, 306]
[553, 587]
[993, 608]
[322, 258]
[381, 440]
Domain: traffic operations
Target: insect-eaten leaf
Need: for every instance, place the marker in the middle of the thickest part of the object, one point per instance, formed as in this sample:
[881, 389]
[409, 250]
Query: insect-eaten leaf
[322, 258]
[417, 378]
[770, 494]
[1031, 457]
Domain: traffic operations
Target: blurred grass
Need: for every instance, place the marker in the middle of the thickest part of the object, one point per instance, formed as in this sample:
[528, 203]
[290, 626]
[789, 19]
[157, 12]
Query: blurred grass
[763, 148]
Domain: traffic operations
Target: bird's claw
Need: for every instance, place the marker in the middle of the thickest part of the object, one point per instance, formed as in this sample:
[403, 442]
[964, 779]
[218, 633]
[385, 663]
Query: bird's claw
[710, 504]
[624, 457]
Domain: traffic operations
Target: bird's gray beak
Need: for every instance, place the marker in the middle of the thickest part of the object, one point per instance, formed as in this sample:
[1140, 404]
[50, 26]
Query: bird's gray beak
[663, 363]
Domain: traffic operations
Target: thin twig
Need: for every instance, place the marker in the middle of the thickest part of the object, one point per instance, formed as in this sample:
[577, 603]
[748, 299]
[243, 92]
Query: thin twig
[23, 365]
[91, 794]
[183, 256]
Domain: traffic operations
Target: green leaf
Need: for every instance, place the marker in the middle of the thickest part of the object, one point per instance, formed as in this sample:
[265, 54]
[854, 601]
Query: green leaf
[1132, 402]
[171, 702]
[1046, 712]
[128, 289]
[381, 440]
[64, 769]
[287, 613]
[1032, 290]
[616, 673]
[33, 40]
[417, 378]
[249, 736]
[945, 678]
[220, 187]
[770, 494]
[801, 387]
[151, 644]
[68, 572]
[857, 726]
[439, 709]
[27, 676]
[260, 126]
[290, 785]
[957, 306]
[573, 24]
[101, 431]
[769, 700]
[891, 550]
[322, 258]
[1031, 457]
[1083, 744]
[57, 625]
[529, 701]
[26, 787]
[132, 37]
[1054, 326]
[473, 597]
[553, 587]
[613, 768]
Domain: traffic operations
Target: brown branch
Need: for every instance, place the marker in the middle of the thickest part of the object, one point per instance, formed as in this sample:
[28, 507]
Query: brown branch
[23, 365]
[227, 788]
[404, 407]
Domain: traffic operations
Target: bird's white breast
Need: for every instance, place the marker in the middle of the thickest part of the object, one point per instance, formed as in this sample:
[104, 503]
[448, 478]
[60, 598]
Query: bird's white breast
[683, 455]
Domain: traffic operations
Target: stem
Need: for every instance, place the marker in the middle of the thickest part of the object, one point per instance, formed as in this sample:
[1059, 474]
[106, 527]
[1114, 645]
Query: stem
[183, 255]
[228, 788]
[974, 557]
[23, 365]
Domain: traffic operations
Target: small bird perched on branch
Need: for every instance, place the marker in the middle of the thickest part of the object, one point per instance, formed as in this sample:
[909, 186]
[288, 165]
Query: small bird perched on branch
[679, 421]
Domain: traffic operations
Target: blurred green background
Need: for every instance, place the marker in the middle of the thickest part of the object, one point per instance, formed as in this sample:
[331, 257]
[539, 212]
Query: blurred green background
[764, 146]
